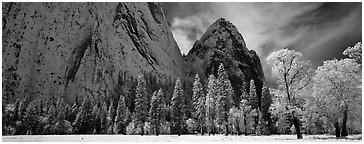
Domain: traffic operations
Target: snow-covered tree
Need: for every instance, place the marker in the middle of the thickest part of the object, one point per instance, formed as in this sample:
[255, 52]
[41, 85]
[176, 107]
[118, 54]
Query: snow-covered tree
[210, 107]
[156, 111]
[177, 116]
[141, 107]
[110, 118]
[354, 52]
[122, 116]
[293, 74]
[103, 118]
[199, 103]
[236, 119]
[224, 99]
[253, 99]
[337, 87]
[84, 120]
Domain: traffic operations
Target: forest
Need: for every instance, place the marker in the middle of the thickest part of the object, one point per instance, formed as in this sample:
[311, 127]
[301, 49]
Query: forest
[326, 100]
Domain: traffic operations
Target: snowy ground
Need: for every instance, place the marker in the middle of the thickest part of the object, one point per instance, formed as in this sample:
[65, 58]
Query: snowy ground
[170, 138]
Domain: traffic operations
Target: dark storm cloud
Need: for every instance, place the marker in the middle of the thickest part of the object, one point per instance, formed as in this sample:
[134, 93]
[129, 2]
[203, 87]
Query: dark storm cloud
[320, 31]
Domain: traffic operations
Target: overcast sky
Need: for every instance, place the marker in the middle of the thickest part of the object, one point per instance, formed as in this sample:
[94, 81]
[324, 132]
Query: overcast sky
[320, 31]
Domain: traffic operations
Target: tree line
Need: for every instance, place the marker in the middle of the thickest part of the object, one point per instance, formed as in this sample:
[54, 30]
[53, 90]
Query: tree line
[324, 101]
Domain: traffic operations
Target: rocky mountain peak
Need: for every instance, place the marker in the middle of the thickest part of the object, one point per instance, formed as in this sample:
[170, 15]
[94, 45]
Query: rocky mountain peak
[223, 30]
[222, 43]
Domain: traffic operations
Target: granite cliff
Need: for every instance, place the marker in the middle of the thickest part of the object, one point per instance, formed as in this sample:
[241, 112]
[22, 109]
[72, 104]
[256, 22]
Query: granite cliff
[73, 49]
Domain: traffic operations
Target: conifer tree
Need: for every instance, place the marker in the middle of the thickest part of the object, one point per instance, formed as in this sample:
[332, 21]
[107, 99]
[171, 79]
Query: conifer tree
[177, 116]
[199, 103]
[110, 118]
[253, 99]
[224, 99]
[97, 119]
[73, 113]
[266, 102]
[141, 111]
[156, 111]
[84, 120]
[103, 118]
[210, 105]
[122, 116]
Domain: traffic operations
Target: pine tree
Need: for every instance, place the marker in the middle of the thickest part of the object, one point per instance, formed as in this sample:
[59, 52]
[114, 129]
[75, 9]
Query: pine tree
[156, 111]
[266, 102]
[224, 99]
[97, 119]
[253, 99]
[84, 120]
[199, 103]
[122, 116]
[141, 111]
[103, 118]
[110, 118]
[73, 113]
[178, 117]
[210, 105]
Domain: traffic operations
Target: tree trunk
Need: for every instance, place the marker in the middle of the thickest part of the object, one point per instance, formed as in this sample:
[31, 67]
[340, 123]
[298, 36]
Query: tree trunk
[156, 130]
[344, 133]
[237, 126]
[226, 129]
[296, 123]
[201, 129]
[142, 128]
[337, 129]
[246, 133]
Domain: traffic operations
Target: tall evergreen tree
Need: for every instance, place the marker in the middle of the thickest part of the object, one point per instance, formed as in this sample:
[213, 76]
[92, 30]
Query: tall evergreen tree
[110, 118]
[199, 103]
[224, 99]
[83, 123]
[211, 104]
[103, 118]
[97, 119]
[141, 111]
[266, 102]
[122, 116]
[177, 116]
[156, 111]
[253, 99]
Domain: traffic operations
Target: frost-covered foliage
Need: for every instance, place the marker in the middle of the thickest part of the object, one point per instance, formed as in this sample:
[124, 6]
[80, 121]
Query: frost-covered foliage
[290, 69]
[156, 112]
[199, 103]
[337, 89]
[84, 120]
[354, 52]
[141, 111]
[122, 117]
[178, 114]
[224, 98]
[294, 75]
[211, 105]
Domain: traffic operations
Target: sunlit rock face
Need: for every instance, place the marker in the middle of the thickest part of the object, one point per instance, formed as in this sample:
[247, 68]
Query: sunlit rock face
[222, 43]
[74, 49]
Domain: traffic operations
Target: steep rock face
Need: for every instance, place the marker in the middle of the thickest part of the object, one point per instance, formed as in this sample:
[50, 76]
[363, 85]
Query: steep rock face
[222, 43]
[73, 49]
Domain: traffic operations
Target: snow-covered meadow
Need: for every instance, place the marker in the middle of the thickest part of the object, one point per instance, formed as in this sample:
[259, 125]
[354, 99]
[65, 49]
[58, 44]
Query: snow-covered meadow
[172, 138]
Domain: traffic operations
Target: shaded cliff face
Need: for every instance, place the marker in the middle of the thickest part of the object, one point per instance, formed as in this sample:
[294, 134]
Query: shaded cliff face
[222, 43]
[73, 49]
